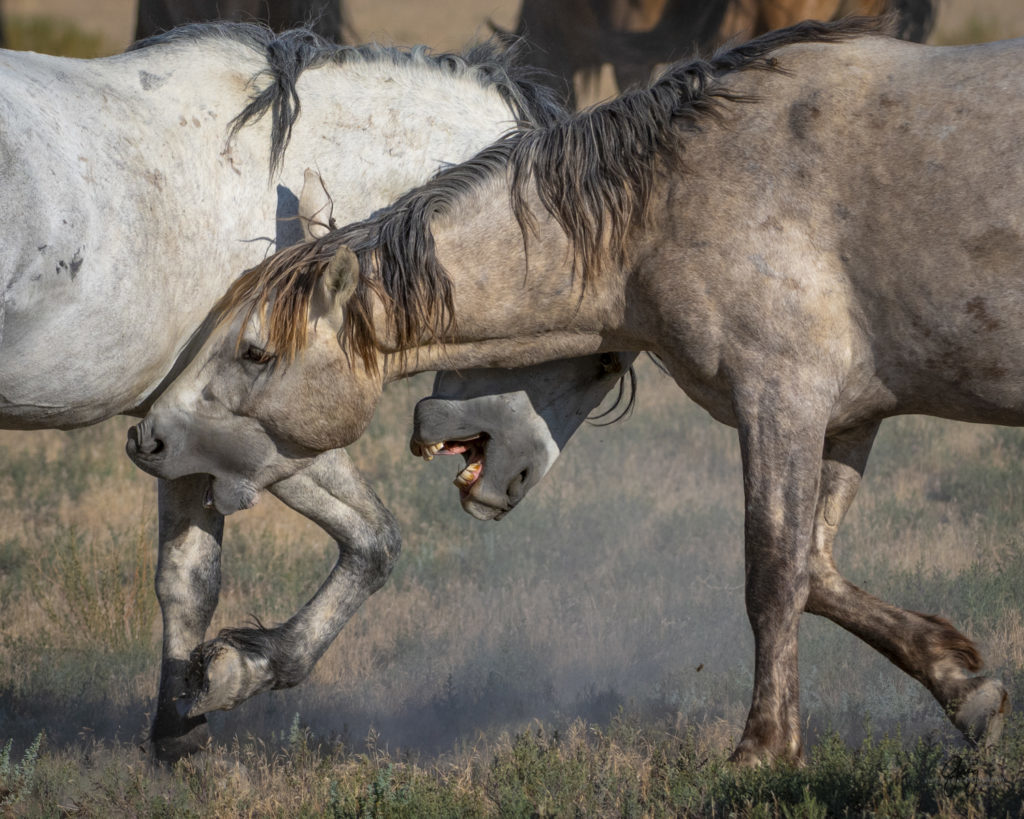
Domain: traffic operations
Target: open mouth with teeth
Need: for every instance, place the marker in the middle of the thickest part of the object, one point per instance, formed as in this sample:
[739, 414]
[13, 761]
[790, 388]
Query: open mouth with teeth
[472, 449]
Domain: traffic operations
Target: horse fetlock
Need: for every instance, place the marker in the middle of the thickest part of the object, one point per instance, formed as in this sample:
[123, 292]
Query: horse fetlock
[980, 711]
[224, 676]
[765, 741]
[750, 754]
[173, 739]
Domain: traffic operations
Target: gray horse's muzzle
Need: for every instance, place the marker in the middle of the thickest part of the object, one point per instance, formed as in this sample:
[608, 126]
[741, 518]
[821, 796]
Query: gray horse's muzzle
[506, 449]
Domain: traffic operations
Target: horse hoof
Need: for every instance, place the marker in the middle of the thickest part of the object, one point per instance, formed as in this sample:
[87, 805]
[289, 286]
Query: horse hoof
[170, 748]
[224, 678]
[980, 714]
[747, 757]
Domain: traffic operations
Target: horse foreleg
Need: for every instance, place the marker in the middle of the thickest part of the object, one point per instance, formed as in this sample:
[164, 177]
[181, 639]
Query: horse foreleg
[781, 448]
[242, 662]
[187, 586]
[928, 648]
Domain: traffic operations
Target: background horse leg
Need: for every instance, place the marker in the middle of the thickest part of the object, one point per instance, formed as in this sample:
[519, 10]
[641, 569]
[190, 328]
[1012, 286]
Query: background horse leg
[781, 448]
[187, 586]
[928, 648]
[242, 662]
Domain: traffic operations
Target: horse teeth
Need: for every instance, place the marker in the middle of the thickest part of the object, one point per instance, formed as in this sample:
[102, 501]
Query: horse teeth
[430, 450]
[467, 477]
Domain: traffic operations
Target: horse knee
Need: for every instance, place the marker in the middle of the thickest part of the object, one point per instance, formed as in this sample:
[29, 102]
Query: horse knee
[374, 560]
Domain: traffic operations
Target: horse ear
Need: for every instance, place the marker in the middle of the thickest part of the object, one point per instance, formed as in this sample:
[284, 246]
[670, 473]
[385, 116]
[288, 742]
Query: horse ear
[340, 279]
[315, 207]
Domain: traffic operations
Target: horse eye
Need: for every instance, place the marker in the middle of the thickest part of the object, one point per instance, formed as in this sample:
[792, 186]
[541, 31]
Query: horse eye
[257, 355]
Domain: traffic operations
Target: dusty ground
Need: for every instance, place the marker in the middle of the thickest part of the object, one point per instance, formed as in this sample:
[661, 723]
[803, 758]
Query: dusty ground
[448, 24]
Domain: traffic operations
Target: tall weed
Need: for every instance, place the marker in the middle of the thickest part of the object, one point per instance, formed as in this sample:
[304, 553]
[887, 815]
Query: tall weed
[97, 592]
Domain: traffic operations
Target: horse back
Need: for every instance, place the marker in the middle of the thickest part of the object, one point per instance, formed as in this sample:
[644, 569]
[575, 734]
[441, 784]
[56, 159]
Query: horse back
[864, 208]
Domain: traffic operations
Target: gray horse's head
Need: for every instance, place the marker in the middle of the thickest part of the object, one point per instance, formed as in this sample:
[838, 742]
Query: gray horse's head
[510, 425]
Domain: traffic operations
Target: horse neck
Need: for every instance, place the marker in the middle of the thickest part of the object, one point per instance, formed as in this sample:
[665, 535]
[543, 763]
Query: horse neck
[372, 127]
[515, 305]
[385, 127]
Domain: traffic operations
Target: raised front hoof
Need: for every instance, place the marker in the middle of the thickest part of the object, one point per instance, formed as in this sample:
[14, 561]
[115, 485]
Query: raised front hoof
[223, 676]
[173, 739]
[981, 711]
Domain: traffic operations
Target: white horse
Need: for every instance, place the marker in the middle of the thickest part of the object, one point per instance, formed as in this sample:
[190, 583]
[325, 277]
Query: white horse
[137, 187]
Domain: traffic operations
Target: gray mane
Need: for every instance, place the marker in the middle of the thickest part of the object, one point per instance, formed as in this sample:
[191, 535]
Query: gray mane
[593, 172]
[288, 54]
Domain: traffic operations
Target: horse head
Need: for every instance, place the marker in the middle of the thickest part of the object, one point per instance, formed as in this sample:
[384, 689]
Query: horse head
[510, 425]
[249, 410]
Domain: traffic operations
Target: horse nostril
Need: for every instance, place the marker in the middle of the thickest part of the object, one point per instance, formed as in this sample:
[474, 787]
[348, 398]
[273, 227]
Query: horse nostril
[517, 486]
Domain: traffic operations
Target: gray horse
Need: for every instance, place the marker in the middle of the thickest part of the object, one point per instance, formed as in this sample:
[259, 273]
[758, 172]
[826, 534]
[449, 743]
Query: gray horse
[814, 231]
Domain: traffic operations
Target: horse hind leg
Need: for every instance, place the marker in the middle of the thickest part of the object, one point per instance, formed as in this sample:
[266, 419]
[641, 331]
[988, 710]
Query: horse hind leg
[926, 647]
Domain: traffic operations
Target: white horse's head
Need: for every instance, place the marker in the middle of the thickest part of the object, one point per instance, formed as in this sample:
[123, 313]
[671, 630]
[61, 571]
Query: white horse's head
[510, 425]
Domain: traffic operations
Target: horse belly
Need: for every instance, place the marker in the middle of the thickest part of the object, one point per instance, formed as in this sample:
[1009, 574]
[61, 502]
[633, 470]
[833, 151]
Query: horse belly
[53, 375]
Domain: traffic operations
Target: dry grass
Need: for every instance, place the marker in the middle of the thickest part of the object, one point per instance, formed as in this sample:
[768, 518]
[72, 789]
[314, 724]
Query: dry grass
[582, 602]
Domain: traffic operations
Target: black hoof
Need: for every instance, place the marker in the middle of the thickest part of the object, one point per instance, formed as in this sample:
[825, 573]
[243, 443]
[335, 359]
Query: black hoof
[176, 738]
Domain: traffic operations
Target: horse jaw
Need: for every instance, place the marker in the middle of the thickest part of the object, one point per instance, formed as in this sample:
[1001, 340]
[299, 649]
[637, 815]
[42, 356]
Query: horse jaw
[510, 425]
[228, 496]
[507, 446]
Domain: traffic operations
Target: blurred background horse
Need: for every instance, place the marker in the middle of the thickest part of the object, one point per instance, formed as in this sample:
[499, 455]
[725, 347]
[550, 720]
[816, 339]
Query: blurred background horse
[325, 17]
[572, 39]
